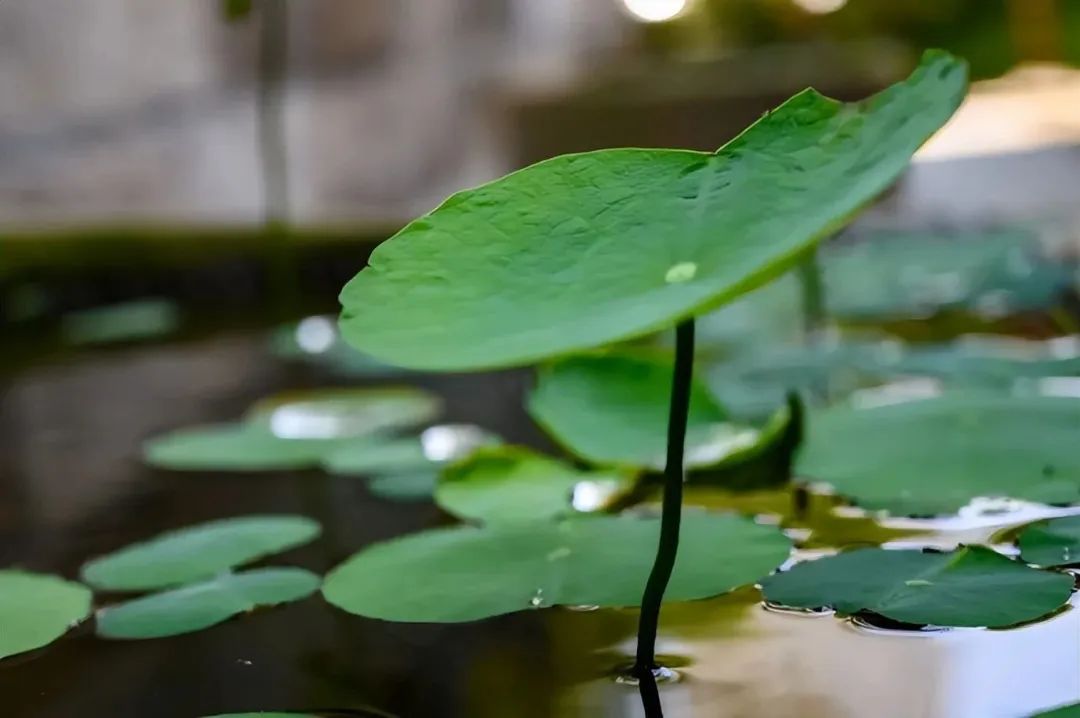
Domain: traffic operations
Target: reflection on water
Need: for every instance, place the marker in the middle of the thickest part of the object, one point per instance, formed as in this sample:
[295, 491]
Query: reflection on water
[779, 664]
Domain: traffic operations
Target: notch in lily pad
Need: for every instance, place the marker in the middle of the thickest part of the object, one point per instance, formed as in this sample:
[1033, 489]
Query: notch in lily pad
[37, 609]
[970, 587]
[587, 249]
[198, 552]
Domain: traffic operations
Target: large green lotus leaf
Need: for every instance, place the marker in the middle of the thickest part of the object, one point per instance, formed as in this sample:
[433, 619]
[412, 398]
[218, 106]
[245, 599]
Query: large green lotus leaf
[1052, 543]
[1070, 711]
[201, 605]
[197, 552]
[613, 409]
[917, 275]
[512, 484]
[465, 573]
[587, 249]
[934, 455]
[972, 586]
[236, 447]
[36, 609]
[340, 413]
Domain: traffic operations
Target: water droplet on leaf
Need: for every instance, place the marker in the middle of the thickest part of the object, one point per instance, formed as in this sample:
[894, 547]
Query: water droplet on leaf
[681, 272]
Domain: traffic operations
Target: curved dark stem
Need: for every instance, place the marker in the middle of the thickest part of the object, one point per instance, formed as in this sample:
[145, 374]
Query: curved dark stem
[650, 696]
[671, 513]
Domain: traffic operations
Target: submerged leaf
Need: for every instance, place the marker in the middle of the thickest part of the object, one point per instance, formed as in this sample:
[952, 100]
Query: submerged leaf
[465, 573]
[512, 484]
[933, 456]
[37, 609]
[587, 249]
[971, 587]
[201, 605]
[613, 409]
[1052, 543]
[197, 552]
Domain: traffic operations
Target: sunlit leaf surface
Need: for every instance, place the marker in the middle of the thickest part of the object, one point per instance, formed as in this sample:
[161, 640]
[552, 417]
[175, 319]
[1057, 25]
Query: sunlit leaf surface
[586, 249]
[972, 586]
[37, 609]
[198, 552]
[201, 605]
[464, 573]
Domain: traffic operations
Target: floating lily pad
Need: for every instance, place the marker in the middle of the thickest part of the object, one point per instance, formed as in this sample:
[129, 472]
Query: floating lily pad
[316, 341]
[970, 587]
[933, 456]
[339, 413]
[1052, 543]
[412, 486]
[512, 484]
[201, 605]
[465, 573]
[197, 552]
[435, 446]
[587, 249]
[139, 320]
[613, 409]
[983, 362]
[916, 275]
[236, 447]
[36, 609]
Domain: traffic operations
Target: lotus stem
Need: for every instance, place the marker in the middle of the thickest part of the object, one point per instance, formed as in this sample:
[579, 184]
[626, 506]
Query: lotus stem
[671, 514]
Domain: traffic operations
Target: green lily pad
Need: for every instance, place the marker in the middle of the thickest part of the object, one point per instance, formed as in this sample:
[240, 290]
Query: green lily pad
[316, 341]
[970, 587]
[465, 573]
[613, 409]
[411, 486]
[512, 484]
[1052, 543]
[587, 249]
[435, 446]
[197, 552]
[1070, 711]
[979, 362]
[236, 447]
[932, 456]
[201, 605]
[916, 275]
[139, 320]
[340, 413]
[36, 609]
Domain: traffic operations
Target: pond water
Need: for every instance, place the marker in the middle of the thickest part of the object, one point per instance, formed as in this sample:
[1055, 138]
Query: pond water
[72, 487]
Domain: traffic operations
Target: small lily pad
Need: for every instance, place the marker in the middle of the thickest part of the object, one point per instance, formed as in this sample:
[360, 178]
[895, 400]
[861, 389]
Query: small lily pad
[236, 447]
[197, 552]
[970, 587]
[511, 484]
[1052, 543]
[37, 609]
[341, 413]
[134, 321]
[315, 341]
[612, 409]
[933, 456]
[587, 249]
[435, 446]
[201, 605]
[465, 573]
[412, 486]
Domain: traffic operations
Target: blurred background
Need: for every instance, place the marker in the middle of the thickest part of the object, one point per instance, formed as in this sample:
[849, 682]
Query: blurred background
[205, 171]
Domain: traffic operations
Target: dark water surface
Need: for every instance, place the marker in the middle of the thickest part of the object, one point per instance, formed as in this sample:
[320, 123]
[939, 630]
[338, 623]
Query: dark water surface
[72, 487]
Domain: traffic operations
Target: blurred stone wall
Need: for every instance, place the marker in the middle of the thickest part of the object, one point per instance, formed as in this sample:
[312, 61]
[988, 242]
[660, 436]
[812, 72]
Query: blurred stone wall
[119, 111]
